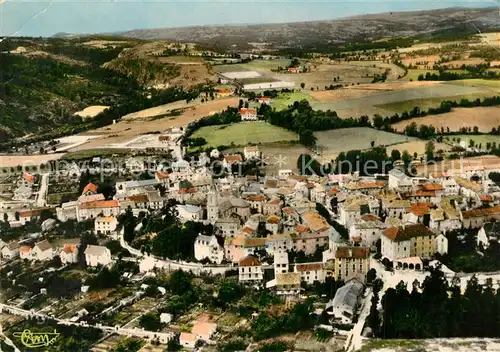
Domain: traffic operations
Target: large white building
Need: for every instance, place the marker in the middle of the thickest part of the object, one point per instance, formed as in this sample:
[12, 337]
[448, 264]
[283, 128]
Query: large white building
[105, 224]
[97, 255]
[208, 247]
[250, 270]
[189, 212]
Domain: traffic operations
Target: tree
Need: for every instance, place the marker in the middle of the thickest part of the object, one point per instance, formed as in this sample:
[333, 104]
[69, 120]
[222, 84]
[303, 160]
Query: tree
[406, 157]
[371, 275]
[302, 85]
[179, 282]
[429, 151]
[5, 217]
[150, 322]
[173, 345]
[372, 143]
[395, 155]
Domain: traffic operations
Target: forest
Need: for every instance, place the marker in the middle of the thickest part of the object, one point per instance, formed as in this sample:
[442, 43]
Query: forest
[437, 309]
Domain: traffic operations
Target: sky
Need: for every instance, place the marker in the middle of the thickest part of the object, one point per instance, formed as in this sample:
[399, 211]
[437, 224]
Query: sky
[47, 17]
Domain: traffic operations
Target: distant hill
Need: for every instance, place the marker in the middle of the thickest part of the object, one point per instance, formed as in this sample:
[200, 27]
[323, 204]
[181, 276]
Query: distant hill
[358, 28]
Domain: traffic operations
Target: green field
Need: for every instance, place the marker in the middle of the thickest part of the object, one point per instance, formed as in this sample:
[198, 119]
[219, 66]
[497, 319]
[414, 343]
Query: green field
[345, 139]
[492, 85]
[286, 99]
[244, 133]
[424, 104]
[414, 73]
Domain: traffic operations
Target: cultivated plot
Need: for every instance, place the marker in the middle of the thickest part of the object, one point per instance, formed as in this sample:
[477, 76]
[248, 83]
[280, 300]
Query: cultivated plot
[345, 139]
[485, 118]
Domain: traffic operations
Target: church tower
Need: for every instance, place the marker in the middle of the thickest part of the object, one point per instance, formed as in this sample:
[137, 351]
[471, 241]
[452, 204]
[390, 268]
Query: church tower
[212, 205]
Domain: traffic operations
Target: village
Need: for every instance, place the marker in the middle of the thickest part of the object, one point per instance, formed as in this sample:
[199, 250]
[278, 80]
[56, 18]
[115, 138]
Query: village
[288, 234]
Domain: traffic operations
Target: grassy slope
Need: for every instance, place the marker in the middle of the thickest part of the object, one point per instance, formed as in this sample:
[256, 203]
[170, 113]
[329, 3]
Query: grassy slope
[244, 133]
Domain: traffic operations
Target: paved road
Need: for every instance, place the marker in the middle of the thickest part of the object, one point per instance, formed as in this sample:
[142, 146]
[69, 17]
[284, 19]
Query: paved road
[42, 192]
[355, 340]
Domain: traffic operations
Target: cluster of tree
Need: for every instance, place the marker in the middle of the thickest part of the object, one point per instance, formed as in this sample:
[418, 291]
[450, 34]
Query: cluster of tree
[174, 240]
[307, 165]
[293, 320]
[273, 93]
[367, 163]
[303, 119]
[437, 308]
[333, 87]
[382, 77]
[463, 253]
[469, 72]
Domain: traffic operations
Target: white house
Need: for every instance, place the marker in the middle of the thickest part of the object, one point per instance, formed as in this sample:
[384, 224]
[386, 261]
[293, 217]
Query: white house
[396, 177]
[343, 307]
[92, 210]
[310, 272]
[10, 251]
[250, 270]
[280, 262]
[42, 251]
[165, 318]
[248, 114]
[188, 212]
[393, 246]
[208, 247]
[489, 232]
[188, 340]
[366, 232]
[251, 152]
[69, 254]
[97, 255]
[105, 224]
[441, 244]
[215, 154]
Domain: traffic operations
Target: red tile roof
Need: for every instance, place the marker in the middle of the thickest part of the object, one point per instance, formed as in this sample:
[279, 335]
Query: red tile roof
[90, 188]
[273, 219]
[486, 198]
[369, 217]
[69, 248]
[481, 212]
[256, 198]
[352, 252]
[245, 111]
[100, 204]
[421, 209]
[249, 261]
[162, 175]
[186, 190]
[232, 158]
[309, 267]
[139, 198]
[405, 233]
[424, 194]
[432, 187]
[28, 177]
[301, 228]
